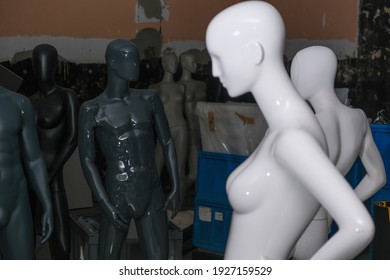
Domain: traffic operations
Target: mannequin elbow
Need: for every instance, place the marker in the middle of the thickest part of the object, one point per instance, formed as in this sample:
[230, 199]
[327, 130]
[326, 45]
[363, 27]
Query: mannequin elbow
[363, 232]
[381, 179]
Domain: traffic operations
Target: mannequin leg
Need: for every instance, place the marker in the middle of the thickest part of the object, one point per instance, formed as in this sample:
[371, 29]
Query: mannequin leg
[60, 240]
[152, 229]
[111, 240]
[17, 238]
[180, 137]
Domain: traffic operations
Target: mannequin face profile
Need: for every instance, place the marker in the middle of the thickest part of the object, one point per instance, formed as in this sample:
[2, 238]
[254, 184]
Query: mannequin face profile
[45, 62]
[122, 57]
[291, 164]
[188, 62]
[238, 72]
[170, 62]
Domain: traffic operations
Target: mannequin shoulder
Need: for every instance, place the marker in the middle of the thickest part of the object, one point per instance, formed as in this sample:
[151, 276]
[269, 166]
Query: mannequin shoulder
[90, 106]
[68, 92]
[18, 99]
[148, 94]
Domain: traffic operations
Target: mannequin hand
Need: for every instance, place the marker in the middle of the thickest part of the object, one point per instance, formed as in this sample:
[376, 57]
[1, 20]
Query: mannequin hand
[115, 216]
[47, 226]
[174, 199]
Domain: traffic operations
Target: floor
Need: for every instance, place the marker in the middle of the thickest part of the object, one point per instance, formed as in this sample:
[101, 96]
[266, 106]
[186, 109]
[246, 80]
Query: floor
[189, 253]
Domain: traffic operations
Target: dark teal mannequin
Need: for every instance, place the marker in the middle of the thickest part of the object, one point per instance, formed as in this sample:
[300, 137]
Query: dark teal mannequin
[56, 112]
[122, 121]
[18, 140]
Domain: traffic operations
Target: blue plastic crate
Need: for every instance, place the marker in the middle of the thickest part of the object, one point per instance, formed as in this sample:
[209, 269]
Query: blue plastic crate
[356, 173]
[381, 135]
[213, 171]
[211, 225]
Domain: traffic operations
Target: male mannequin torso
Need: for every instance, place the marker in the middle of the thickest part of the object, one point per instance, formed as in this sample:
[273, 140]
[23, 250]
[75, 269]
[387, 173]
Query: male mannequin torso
[123, 122]
[17, 129]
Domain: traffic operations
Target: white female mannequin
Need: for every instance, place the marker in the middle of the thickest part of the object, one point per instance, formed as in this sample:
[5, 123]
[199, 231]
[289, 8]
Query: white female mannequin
[347, 133]
[172, 96]
[276, 192]
[195, 92]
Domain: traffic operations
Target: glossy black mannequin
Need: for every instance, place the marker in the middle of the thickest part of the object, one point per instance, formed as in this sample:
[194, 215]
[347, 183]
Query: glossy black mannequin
[123, 121]
[56, 113]
[17, 125]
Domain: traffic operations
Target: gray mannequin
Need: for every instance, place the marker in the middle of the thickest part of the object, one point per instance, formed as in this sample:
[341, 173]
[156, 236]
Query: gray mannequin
[195, 92]
[172, 97]
[122, 121]
[17, 126]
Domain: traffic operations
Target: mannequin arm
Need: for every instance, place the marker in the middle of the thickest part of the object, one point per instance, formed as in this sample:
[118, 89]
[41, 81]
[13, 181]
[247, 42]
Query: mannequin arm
[168, 146]
[312, 167]
[36, 167]
[87, 152]
[70, 137]
[373, 164]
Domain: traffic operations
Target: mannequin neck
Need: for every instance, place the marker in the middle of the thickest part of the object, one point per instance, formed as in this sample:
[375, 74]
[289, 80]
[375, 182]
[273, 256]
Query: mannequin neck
[116, 86]
[47, 87]
[186, 76]
[277, 98]
[168, 77]
[324, 98]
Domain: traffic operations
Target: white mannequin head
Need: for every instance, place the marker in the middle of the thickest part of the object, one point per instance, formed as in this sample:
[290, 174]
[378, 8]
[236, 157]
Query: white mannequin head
[242, 38]
[314, 69]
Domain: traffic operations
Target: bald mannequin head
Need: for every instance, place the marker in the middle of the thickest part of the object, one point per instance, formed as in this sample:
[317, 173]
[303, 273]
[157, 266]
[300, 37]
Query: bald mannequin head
[314, 69]
[243, 39]
[122, 58]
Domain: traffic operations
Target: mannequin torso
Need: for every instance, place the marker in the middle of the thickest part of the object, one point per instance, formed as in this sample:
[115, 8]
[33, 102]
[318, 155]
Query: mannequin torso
[17, 127]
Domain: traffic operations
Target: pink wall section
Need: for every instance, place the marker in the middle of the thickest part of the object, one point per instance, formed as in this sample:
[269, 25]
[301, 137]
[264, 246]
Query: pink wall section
[305, 19]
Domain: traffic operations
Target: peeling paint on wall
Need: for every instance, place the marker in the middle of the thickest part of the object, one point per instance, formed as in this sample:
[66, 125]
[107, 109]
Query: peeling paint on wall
[324, 21]
[151, 11]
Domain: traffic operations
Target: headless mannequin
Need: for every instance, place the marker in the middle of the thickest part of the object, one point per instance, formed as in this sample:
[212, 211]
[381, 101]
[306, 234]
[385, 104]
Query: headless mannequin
[195, 91]
[56, 113]
[276, 191]
[172, 97]
[347, 132]
[121, 120]
[17, 125]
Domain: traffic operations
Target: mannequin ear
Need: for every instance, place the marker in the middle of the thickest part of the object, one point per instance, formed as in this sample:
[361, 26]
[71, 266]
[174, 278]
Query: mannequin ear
[254, 50]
